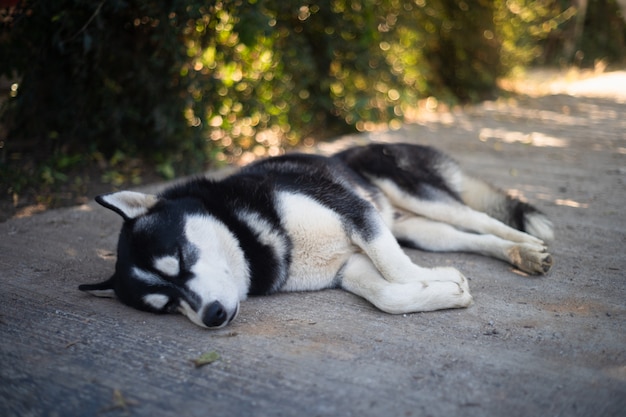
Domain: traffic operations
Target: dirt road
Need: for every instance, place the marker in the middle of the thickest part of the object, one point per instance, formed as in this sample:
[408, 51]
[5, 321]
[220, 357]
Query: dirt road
[549, 346]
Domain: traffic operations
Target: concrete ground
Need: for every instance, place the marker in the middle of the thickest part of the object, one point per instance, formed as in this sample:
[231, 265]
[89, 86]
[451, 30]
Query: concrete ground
[529, 346]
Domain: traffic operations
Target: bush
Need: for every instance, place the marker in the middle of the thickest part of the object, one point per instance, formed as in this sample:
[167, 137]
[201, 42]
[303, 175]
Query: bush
[99, 76]
[184, 82]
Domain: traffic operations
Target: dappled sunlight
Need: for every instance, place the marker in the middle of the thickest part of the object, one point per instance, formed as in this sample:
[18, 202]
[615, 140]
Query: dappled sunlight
[544, 194]
[574, 82]
[512, 108]
[30, 210]
[608, 85]
[86, 208]
[511, 136]
[570, 203]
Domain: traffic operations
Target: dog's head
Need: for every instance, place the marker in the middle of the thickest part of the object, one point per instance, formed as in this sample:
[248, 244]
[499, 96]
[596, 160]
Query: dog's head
[173, 256]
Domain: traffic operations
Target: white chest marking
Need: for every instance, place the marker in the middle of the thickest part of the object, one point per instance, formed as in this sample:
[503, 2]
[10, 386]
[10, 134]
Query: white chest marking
[320, 243]
[145, 276]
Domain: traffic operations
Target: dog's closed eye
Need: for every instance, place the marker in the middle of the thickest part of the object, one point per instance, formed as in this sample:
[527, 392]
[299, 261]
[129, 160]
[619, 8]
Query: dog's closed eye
[156, 301]
[168, 265]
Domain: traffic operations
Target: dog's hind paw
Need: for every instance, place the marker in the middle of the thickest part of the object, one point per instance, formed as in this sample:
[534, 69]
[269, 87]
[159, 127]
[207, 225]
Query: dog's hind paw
[530, 258]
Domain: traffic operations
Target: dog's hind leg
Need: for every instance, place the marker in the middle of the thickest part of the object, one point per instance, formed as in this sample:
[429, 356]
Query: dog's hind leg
[422, 233]
[482, 196]
[361, 277]
[454, 213]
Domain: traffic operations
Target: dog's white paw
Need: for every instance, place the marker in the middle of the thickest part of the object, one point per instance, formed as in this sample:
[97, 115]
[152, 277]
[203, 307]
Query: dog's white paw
[450, 286]
[450, 294]
[533, 259]
[465, 299]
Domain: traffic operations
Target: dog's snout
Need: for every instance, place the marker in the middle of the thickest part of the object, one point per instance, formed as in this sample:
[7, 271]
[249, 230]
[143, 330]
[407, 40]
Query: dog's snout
[214, 315]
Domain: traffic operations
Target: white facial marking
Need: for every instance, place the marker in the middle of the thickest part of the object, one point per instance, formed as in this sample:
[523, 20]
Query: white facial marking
[221, 271]
[147, 277]
[157, 301]
[168, 265]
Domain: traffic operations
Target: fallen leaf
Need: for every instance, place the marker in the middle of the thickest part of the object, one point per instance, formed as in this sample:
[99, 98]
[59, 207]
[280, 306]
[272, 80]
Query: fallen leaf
[206, 358]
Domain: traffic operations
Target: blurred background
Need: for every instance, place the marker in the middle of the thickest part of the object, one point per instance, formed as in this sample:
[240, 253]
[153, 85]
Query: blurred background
[121, 92]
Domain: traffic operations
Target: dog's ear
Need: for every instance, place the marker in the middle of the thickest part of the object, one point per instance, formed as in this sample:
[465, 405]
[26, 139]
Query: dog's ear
[128, 204]
[102, 289]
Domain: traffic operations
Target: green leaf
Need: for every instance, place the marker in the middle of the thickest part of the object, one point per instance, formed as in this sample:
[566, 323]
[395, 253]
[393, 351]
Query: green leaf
[206, 358]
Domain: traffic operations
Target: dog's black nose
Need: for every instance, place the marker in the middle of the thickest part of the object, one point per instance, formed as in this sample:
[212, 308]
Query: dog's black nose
[214, 315]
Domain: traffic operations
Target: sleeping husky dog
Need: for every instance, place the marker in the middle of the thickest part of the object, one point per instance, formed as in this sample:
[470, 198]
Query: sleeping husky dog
[305, 222]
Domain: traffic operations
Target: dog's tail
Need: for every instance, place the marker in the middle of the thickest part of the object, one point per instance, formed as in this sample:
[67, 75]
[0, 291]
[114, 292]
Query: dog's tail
[484, 197]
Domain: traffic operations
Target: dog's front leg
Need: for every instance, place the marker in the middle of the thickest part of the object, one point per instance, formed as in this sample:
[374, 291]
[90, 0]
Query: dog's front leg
[361, 277]
[394, 264]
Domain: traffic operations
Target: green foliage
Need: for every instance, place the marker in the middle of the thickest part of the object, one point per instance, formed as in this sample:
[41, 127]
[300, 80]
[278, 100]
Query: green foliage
[525, 25]
[185, 81]
[99, 75]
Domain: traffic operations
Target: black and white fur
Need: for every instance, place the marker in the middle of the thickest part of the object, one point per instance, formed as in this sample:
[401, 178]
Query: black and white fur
[305, 222]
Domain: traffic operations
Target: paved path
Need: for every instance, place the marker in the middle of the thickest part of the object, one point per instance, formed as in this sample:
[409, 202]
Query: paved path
[553, 346]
